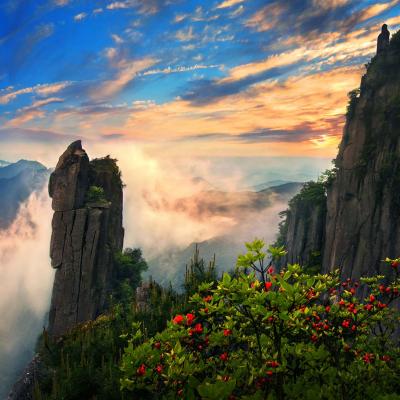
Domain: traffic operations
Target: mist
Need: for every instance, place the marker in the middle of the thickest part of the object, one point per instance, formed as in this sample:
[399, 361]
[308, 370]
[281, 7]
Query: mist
[169, 204]
[26, 282]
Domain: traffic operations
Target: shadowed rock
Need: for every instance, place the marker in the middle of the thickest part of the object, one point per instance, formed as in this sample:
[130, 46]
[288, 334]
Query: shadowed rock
[383, 39]
[85, 237]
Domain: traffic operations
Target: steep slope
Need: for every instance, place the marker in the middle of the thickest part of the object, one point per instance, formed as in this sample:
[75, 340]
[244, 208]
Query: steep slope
[86, 232]
[302, 232]
[363, 219]
[17, 182]
[355, 223]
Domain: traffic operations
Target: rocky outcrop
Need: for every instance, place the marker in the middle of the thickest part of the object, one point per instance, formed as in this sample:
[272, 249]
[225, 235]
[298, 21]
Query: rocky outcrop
[302, 232]
[85, 236]
[363, 218]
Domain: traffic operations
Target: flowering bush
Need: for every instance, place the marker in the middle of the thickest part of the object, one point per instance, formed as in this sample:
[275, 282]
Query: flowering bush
[268, 335]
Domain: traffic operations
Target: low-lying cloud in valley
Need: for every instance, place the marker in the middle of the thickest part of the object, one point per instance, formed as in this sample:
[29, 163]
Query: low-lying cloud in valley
[26, 280]
[169, 204]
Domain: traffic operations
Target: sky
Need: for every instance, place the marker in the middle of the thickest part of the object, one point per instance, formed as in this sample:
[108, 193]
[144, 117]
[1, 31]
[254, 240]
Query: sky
[216, 78]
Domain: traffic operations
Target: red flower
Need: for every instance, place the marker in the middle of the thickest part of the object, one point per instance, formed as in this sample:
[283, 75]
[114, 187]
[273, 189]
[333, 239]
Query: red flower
[226, 378]
[207, 299]
[381, 305]
[273, 364]
[342, 303]
[327, 308]
[352, 291]
[394, 264]
[368, 307]
[227, 332]
[388, 290]
[190, 318]
[271, 270]
[382, 288]
[371, 298]
[368, 358]
[346, 323]
[314, 338]
[178, 320]
[268, 285]
[157, 345]
[270, 373]
[353, 328]
[224, 357]
[326, 327]
[159, 369]
[141, 370]
[198, 328]
[386, 358]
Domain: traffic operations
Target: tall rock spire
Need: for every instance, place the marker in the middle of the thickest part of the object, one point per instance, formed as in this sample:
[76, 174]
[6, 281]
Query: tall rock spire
[86, 232]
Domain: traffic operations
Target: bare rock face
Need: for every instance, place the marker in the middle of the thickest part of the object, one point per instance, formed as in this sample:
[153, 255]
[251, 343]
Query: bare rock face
[359, 224]
[363, 219]
[69, 182]
[305, 235]
[85, 237]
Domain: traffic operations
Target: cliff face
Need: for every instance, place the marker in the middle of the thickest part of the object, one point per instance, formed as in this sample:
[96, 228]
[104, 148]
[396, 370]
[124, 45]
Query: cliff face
[86, 232]
[359, 225]
[363, 219]
[302, 232]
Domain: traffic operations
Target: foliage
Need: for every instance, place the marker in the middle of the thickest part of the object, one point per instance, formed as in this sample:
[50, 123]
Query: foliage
[95, 194]
[127, 272]
[273, 336]
[84, 364]
[198, 273]
[353, 96]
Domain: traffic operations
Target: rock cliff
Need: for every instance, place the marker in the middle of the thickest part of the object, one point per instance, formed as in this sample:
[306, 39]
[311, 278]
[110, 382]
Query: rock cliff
[359, 223]
[302, 232]
[86, 232]
[363, 218]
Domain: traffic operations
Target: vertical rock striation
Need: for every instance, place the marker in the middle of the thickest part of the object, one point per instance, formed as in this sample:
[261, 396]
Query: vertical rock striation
[363, 218]
[85, 236]
[361, 225]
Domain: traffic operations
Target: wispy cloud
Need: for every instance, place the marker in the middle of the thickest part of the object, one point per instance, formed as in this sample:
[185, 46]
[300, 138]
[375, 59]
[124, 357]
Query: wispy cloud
[185, 35]
[170, 70]
[41, 90]
[229, 3]
[80, 17]
[127, 71]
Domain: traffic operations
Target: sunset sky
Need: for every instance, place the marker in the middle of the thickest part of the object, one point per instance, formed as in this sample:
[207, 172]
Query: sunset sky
[213, 77]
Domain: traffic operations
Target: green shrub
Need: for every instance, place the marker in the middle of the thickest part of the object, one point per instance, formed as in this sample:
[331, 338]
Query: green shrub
[273, 336]
[95, 194]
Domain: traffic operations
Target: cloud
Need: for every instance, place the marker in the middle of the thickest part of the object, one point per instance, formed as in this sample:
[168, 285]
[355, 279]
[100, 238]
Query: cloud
[117, 39]
[40, 89]
[266, 18]
[61, 3]
[147, 7]
[127, 71]
[229, 3]
[33, 111]
[185, 35]
[118, 5]
[170, 70]
[80, 17]
[26, 286]
[33, 135]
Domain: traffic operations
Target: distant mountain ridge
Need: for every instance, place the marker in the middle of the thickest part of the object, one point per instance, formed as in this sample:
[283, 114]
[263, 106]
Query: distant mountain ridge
[4, 163]
[17, 182]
